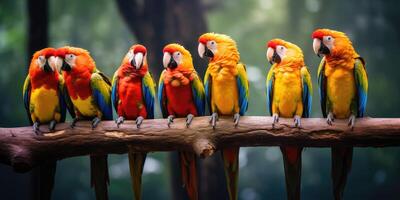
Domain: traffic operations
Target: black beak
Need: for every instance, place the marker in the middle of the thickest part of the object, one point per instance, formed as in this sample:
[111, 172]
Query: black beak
[65, 66]
[324, 50]
[208, 53]
[275, 58]
[47, 67]
[133, 63]
[172, 63]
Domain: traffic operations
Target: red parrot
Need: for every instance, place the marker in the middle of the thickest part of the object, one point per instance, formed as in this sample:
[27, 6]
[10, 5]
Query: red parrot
[181, 94]
[133, 93]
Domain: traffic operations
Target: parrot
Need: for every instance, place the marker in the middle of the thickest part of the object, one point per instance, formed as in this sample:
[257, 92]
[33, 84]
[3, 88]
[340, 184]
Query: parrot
[44, 103]
[88, 94]
[289, 94]
[132, 94]
[343, 88]
[227, 93]
[181, 94]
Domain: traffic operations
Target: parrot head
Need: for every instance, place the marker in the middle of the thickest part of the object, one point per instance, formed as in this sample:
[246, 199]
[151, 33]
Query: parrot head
[74, 59]
[136, 57]
[218, 47]
[282, 52]
[44, 60]
[177, 57]
[331, 43]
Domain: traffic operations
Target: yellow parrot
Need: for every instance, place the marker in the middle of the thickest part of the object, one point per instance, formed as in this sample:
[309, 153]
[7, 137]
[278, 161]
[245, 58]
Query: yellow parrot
[289, 94]
[227, 92]
[343, 87]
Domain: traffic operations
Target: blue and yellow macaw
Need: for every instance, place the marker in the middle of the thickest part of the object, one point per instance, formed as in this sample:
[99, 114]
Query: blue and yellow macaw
[289, 94]
[89, 96]
[227, 93]
[44, 103]
[343, 87]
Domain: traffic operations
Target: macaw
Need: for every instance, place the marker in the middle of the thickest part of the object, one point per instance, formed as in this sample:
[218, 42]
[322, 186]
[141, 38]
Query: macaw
[181, 94]
[289, 94]
[133, 93]
[227, 93]
[88, 94]
[44, 103]
[343, 87]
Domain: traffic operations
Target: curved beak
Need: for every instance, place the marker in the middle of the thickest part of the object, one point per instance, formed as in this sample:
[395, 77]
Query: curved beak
[55, 63]
[47, 67]
[320, 48]
[138, 60]
[169, 62]
[65, 66]
[270, 53]
[201, 49]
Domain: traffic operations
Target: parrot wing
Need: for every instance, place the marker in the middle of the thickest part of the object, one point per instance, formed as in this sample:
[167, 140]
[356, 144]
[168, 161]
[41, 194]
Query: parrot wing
[243, 86]
[361, 78]
[101, 92]
[307, 91]
[114, 90]
[270, 88]
[322, 86]
[149, 93]
[198, 94]
[162, 97]
[61, 99]
[26, 93]
[207, 89]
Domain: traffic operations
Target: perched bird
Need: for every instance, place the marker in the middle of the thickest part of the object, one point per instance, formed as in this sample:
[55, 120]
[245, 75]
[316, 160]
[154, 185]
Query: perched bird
[343, 87]
[44, 103]
[133, 93]
[289, 94]
[227, 92]
[181, 94]
[89, 96]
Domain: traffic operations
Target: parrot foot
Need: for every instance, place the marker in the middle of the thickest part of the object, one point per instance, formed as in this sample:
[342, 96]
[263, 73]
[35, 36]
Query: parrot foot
[119, 121]
[52, 125]
[352, 120]
[297, 121]
[139, 121]
[170, 120]
[189, 120]
[213, 120]
[36, 128]
[74, 121]
[236, 118]
[95, 122]
[330, 119]
[275, 119]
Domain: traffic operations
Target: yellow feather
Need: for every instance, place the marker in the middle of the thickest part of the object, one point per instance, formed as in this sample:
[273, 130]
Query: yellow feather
[44, 103]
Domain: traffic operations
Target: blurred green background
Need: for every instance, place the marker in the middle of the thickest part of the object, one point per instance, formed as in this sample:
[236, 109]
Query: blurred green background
[99, 26]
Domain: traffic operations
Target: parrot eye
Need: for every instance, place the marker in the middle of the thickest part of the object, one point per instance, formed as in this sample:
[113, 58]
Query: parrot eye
[328, 39]
[69, 56]
[41, 61]
[281, 51]
[177, 57]
[212, 45]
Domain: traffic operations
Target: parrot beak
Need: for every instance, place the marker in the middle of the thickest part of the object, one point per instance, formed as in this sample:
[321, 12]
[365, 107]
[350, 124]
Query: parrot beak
[54, 63]
[137, 61]
[320, 48]
[169, 62]
[201, 50]
[65, 66]
[47, 67]
[270, 53]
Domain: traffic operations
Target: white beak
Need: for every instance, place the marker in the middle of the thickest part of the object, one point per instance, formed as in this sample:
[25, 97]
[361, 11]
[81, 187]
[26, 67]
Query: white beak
[270, 53]
[166, 59]
[138, 60]
[54, 63]
[201, 49]
[316, 45]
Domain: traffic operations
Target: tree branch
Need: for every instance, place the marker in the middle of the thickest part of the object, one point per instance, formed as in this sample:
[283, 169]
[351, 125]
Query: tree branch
[23, 150]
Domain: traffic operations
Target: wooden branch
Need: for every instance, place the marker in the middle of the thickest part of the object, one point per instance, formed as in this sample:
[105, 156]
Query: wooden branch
[23, 150]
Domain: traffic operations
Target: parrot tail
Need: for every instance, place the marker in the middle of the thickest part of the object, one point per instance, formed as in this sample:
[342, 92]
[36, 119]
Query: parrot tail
[189, 174]
[231, 165]
[341, 166]
[292, 163]
[47, 172]
[99, 176]
[136, 164]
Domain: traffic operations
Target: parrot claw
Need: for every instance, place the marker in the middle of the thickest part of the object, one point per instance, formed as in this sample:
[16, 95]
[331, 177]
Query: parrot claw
[297, 121]
[330, 119]
[189, 120]
[139, 121]
[213, 120]
[352, 120]
[95, 122]
[52, 125]
[119, 121]
[170, 120]
[236, 118]
[73, 123]
[275, 119]
[36, 128]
